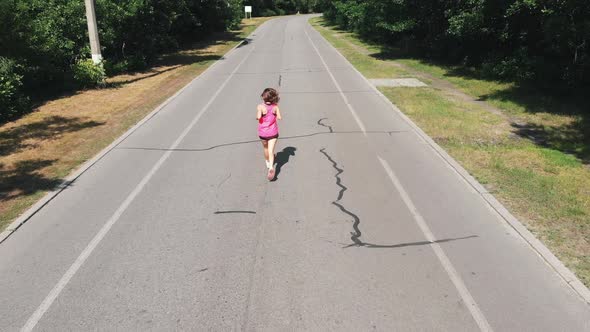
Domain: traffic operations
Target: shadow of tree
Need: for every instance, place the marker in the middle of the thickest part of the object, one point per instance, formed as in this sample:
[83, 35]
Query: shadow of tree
[185, 56]
[24, 179]
[217, 38]
[173, 62]
[537, 101]
[153, 73]
[18, 138]
[572, 138]
[189, 58]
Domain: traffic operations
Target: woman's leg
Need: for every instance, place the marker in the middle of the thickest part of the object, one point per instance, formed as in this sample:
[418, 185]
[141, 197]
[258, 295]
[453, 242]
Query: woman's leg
[271, 151]
[265, 147]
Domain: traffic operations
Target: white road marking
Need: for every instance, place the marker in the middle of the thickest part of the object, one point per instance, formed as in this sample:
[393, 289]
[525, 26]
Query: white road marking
[350, 108]
[65, 279]
[496, 207]
[440, 254]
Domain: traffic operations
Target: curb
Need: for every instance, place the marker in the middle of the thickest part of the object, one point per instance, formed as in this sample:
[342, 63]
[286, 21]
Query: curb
[23, 218]
[566, 274]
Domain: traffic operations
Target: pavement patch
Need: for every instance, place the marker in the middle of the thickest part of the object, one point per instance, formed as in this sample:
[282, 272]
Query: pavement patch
[398, 82]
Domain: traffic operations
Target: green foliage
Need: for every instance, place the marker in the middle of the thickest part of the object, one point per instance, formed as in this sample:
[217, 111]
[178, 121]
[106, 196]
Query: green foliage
[535, 41]
[234, 14]
[12, 100]
[45, 38]
[268, 12]
[282, 7]
[87, 74]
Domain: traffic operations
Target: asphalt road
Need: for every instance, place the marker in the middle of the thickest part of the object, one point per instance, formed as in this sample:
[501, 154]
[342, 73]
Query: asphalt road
[365, 227]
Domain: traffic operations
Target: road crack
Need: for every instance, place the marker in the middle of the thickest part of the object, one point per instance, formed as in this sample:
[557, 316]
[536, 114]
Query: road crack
[325, 125]
[224, 180]
[356, 233]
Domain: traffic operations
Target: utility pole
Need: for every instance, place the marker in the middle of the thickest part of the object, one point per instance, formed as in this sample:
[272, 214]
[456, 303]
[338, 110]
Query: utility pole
[93, 31]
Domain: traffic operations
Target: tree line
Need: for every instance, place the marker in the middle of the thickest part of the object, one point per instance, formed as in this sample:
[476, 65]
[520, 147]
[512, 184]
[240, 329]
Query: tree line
[44, 47]
[544, 42]
[44, 43]
[283, 7]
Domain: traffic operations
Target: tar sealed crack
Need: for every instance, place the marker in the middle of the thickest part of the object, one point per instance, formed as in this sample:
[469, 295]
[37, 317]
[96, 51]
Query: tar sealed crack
[234, 211]
[325, 125]
[356, 233]
[224, 180]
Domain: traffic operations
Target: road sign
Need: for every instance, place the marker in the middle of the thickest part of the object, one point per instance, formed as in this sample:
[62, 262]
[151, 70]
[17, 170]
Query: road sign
[248, 9]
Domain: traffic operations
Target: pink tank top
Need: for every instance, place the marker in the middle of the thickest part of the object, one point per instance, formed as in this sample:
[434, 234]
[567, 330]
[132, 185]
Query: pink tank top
[267, 126]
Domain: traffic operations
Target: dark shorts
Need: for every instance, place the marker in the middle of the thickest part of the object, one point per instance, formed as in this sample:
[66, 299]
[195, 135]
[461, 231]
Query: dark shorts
[269, 138]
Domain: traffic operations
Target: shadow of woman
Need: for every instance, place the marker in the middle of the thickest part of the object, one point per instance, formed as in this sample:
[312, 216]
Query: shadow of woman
[282, 158]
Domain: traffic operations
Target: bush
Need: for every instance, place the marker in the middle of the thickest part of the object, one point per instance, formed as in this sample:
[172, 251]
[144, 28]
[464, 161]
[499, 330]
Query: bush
[268, 12]
[112, 68]
[87, 74]
[137, 62]
[12, 100]
[48, 37]
[519, 67]
[527, 41]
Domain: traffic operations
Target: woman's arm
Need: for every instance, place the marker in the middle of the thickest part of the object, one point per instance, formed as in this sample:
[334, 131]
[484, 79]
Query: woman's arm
[258, 112]
[279, 113]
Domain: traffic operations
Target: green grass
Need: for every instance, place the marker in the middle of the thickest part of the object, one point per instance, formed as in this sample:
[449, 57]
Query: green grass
[564, 122]
[369, 66]
[505, 95]
[538, 168]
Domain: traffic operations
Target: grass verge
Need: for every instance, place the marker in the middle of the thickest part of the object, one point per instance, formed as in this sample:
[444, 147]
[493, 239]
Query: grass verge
[38, 150]
[533, 154]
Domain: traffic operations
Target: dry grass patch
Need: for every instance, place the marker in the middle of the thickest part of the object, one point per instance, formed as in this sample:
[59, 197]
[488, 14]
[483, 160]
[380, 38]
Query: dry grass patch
[40, 149]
